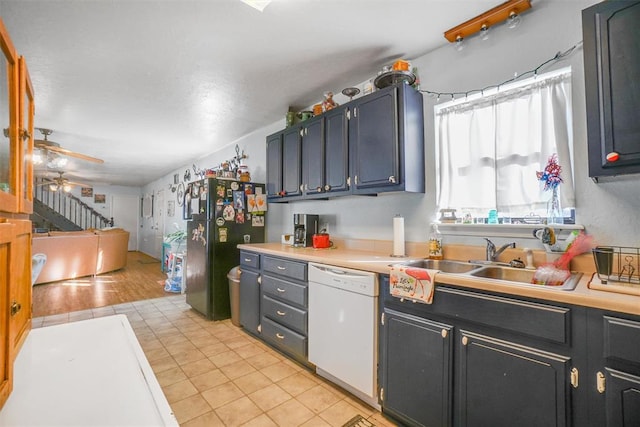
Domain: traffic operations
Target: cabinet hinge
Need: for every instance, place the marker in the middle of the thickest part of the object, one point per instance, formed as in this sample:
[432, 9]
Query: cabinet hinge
[348, 114]
[382, 394]
[382, 318]
[260, 328]
[348, 181]
[600, 382]
[355, 112]
[301, 132]
[574, 377]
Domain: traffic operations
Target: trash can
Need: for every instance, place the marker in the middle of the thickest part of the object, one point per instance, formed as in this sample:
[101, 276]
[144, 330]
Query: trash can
[234, 294]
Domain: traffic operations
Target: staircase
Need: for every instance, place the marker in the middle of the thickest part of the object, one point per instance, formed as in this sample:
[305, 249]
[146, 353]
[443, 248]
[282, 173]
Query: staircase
[58, 210]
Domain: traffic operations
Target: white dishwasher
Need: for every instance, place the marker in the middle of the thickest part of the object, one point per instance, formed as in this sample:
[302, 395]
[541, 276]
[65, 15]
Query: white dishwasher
[343, 337]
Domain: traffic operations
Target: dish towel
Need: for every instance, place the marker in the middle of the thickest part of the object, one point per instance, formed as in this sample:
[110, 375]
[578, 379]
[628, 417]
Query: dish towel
[416, 284]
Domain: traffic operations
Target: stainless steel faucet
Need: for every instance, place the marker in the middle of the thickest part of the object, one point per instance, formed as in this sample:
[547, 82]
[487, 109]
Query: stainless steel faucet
[492, 253]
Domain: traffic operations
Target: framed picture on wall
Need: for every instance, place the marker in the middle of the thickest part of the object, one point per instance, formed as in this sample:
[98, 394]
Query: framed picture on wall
[99, 198]
[171, 208]
[86, 192]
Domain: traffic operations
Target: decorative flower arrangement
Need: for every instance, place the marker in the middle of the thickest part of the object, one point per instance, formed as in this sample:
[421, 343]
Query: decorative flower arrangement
[551, 173]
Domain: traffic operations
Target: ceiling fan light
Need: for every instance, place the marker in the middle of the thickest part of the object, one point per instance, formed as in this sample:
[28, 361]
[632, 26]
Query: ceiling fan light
[53, 187]
[66, 188]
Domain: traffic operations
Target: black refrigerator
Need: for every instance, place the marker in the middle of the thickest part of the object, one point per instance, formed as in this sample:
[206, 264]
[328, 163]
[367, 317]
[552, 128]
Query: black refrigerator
[220, 214]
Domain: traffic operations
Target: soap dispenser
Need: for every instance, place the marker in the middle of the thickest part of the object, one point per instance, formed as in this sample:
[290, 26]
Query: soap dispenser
[435, 243]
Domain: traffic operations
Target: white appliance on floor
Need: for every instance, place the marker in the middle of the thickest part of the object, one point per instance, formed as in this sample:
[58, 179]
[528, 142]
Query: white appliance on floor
[343, 338]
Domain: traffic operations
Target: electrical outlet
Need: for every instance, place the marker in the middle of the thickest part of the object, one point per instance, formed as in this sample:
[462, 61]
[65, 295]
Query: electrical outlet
[325, 227]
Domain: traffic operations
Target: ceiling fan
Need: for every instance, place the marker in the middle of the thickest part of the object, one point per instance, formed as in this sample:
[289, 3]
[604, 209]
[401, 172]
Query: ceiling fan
[49, 146]
[59, 183]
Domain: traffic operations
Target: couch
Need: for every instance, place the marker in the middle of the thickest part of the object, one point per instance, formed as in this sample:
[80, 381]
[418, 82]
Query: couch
[73, 254]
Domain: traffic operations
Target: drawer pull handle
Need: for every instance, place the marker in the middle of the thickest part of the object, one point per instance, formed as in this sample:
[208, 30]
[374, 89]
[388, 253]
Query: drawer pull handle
[444, 333]
[574, 377]
[600, 382]
[279, 336]
[259, 280]
[281, 313]
[281, 268]
[465, 340]
[281, 290]
[247, 260]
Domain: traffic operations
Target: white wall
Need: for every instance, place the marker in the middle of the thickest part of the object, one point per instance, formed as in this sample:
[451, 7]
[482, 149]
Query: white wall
[608, 210]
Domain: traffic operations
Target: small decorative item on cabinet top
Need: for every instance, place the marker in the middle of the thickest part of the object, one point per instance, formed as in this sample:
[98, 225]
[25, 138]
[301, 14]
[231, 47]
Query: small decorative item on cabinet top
[317, 109]
[328, 102]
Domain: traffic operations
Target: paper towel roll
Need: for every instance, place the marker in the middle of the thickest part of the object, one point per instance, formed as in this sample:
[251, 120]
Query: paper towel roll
[398, 236]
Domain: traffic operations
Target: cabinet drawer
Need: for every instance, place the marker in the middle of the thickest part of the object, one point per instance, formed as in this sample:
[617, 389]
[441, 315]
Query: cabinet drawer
[283, 290]
[529, 318]
[285, 314]
[285, 338]
[621, 338]
[283, 267]
[249, 259]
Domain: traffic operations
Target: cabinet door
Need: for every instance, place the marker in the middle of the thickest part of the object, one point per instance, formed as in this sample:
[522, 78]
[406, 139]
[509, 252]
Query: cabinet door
[506, 384]
[9, 142]
[6, 364]
[612, 71]
[374, 142]
[274, 166]
[20, 293]
[26, 137]
[313, 158]
[336, 166]
[622, 398]
[292, 162]
[416, 379]
[250, 300]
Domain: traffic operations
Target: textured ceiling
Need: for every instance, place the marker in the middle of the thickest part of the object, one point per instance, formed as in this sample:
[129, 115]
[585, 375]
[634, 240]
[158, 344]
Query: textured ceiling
[151, 85]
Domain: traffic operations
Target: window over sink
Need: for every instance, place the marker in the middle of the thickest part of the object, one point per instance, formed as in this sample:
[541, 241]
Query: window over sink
[489, 147]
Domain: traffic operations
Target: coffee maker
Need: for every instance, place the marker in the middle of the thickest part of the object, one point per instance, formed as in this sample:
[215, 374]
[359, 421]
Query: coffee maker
[304, 227]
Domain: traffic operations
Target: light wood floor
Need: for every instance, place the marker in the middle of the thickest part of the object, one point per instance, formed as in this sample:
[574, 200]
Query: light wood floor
[141, 279]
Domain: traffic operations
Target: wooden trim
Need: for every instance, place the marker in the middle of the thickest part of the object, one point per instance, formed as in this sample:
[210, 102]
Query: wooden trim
[26, 106]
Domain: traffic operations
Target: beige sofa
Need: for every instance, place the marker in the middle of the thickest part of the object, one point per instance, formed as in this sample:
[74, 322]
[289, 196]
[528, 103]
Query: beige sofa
[73, 254]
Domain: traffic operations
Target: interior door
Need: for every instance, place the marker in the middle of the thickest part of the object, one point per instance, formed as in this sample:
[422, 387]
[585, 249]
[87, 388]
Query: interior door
[125, 215]
[158, 218]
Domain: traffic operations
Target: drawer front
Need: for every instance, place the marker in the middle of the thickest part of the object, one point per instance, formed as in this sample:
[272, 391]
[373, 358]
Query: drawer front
[530, 318]
[622, 339]
[249, 259]
[284, 267]
[285, 314]
[284, 338]
[283, 290]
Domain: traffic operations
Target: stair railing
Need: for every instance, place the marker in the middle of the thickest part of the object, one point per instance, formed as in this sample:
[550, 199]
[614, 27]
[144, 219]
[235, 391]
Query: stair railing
[70, 207]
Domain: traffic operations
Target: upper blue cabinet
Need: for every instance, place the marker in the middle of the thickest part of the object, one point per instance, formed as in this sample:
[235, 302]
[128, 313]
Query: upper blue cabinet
[370, 145]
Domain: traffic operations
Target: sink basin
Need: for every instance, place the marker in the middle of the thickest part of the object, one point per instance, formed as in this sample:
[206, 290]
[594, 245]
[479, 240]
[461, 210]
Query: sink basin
[453, 267]
[521, 276]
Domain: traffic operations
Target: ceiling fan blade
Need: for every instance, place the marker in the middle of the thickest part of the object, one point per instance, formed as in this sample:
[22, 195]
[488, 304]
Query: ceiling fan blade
[74, 154]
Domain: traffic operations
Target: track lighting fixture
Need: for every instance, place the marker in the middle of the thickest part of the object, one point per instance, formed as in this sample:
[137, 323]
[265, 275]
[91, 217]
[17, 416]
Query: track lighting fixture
[508, 11]
[459, 43]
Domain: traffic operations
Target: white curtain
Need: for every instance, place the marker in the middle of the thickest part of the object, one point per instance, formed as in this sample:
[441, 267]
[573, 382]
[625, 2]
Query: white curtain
[490, 148]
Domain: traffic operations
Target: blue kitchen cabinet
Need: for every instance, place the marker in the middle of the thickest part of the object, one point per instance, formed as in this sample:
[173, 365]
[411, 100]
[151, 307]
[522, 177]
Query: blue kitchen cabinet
[325, 155]
[273, 183]
[370, 145]
[612, 72]
[418, 377]
[475, 358]
[284, 164]
[386, 141]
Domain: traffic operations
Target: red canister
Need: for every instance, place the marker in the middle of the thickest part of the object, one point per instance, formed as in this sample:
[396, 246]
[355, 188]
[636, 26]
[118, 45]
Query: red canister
[321, 241]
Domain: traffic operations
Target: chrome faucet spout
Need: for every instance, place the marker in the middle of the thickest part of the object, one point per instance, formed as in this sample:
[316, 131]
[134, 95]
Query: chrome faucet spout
[492, 253]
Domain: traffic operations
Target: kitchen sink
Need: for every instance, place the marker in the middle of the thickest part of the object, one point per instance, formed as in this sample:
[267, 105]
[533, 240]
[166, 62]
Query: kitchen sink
[505, 274]
[445, 266]
[521, 276]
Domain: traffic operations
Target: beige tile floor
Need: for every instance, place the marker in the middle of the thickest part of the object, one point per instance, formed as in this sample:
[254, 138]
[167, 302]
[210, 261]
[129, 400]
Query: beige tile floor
[215, 374]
